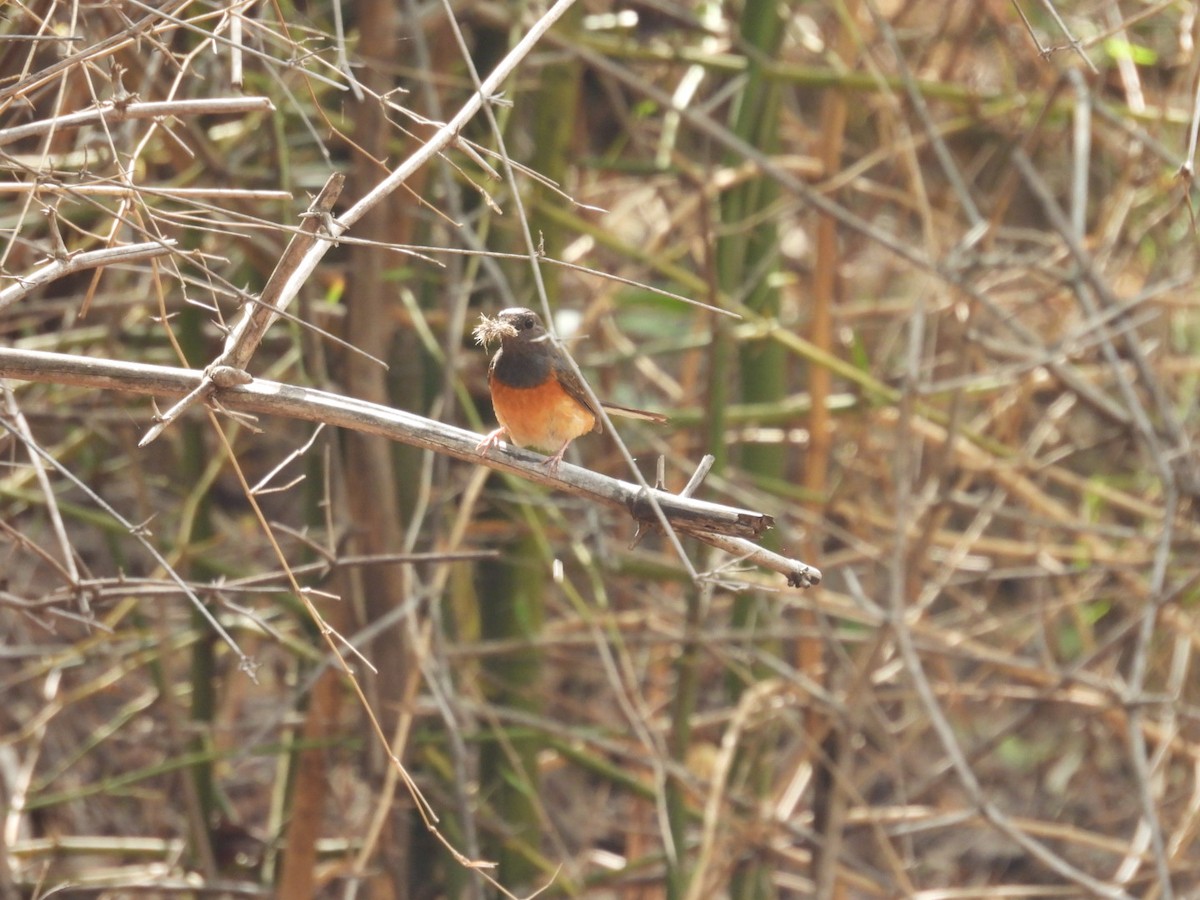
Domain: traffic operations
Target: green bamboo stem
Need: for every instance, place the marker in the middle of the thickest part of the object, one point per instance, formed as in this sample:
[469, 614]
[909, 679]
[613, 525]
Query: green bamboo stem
[687, 691]
[746, 260]
[199, 530]
[510, 607]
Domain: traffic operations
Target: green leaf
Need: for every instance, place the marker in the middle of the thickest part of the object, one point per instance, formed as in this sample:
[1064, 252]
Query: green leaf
[1119, 48]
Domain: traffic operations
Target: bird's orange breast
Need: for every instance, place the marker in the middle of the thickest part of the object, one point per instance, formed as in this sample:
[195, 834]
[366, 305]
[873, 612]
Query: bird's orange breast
[544, 417]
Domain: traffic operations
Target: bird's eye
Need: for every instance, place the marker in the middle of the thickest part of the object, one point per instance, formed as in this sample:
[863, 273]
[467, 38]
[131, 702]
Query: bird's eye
[527, 322]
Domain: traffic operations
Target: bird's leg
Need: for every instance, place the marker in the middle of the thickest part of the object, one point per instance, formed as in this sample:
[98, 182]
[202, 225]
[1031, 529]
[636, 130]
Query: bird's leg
[553, 461]
[493, 438]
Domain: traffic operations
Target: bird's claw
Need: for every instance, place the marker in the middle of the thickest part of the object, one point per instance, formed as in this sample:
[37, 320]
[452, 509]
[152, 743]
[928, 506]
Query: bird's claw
[492, 440]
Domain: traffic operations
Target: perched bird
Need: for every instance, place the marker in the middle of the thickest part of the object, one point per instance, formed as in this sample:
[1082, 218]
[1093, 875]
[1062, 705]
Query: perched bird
[539, 400]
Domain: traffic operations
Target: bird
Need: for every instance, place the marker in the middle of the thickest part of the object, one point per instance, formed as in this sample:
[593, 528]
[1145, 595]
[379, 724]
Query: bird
[539, 400]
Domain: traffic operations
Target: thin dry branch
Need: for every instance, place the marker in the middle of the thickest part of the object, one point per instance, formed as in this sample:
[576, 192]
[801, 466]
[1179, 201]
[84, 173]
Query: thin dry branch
[223, 192]
[77, 262]
[711, 522]
[115, 111]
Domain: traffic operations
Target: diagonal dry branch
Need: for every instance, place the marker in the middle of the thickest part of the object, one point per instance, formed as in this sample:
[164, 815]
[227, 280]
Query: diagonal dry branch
[297, 271]
[728, 527]
[244, 338]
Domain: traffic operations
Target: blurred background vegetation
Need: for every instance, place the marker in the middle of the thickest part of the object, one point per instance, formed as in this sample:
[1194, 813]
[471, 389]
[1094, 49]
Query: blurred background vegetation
[960, 240]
